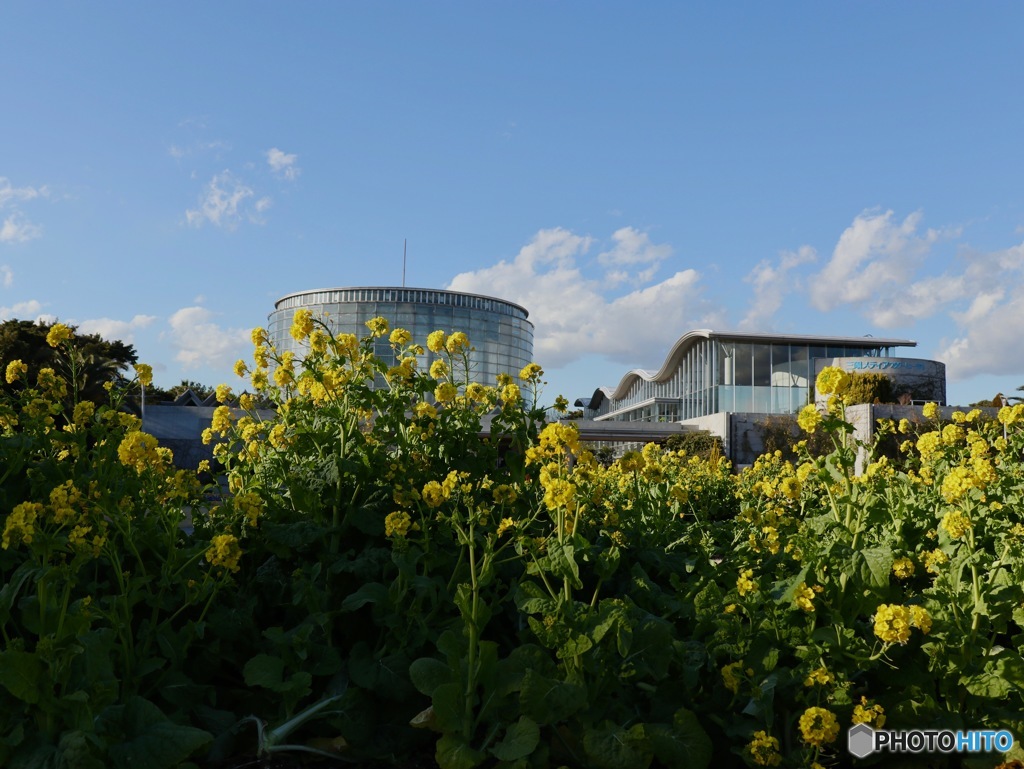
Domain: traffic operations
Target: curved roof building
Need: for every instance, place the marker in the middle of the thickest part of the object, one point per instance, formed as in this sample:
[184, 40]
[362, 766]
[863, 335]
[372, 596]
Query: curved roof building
[499, 331]
[708, 372]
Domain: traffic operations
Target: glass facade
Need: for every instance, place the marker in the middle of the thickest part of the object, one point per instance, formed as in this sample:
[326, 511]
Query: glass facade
[731, 373]
[498, 330]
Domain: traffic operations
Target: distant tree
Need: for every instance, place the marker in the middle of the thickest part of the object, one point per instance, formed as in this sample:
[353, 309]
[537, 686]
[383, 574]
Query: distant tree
[869, 388]
[96, 361]
[998, 401]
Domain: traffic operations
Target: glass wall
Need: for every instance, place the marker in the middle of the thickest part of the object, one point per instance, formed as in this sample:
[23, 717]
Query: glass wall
[717, 375]
[499, 331]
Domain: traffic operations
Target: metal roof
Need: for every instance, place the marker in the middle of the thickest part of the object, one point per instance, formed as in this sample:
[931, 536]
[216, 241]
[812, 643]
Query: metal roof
[690, 338]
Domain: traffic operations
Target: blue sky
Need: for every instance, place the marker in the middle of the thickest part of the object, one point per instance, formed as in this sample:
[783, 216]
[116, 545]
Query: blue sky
[626, 171]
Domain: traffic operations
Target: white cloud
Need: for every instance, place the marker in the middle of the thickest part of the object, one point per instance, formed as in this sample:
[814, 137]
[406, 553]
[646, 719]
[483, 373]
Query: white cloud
[633, 248]
[990, 339]
[22, 310]
[283, 164]
[771, 284]
[199, 340]
[224, 203]
[8, 275]
[9, 193]
[574, 316]
[111, 329]
[873, 255]
[17, 229]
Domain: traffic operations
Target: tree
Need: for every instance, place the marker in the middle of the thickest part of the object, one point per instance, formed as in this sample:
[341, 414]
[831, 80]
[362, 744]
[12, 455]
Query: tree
[96, 361]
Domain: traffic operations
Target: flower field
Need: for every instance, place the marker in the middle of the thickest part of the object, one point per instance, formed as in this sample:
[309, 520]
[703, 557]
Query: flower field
[403, 563]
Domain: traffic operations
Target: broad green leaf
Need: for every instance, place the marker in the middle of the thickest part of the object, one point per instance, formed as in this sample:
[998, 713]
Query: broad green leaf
[264, 670]
[151, 740]
[449, 706]
[521, 739]
[453, 753]
[873, 566]
[612, 747]
[428, 673]
[372, 592]
[685, 743]
[549, 701]
[21, 673]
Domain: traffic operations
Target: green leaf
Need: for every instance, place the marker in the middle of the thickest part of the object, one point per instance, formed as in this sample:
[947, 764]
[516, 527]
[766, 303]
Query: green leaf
[872, 566]
[266, 671]
[373, 592]
[1000, 676]
[453, 753]
[612, 747]
[428, 673]
[561, 560]
[549, 701]
[785, 589]
[449, 706]
[685, 743]
[20, 673]
[521, 739]
[150, 739]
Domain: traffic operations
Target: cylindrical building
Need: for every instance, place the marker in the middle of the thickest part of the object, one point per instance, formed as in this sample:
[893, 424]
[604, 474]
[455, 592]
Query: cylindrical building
[498, 330]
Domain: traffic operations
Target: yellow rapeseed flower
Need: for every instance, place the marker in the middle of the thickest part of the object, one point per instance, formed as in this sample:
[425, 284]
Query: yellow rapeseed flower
[445, 392]
[378, 326]
[16, 369]
[809, 418]
[804, 597]
[400, 337]
[397, 524]
[436, 340]
[144, 373]
[869, 713]
[832, 380]
[531, 372]
[302, 324]
[930, 410]
[225, 552]
[818, 726]
[956, 524]
[20, 524]
[744, 583]
[764, 749]
[457, 343]
[892, 623]
[903, 568]
[58, 334]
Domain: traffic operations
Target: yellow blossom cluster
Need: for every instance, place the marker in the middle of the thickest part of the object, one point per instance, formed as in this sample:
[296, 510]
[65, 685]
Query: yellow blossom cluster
[20, 524]
[893, 622]
[225, 552]
[139, 450]
[397, 524]
[867, 712]
[809, 418]
[58, 334]
[804, 597]
[956, 524]
[744, 583]
[16, 369]
[764, 749]
[144, 373]
[819, 726]
[832, 380]
[819, 677]
[903, 568]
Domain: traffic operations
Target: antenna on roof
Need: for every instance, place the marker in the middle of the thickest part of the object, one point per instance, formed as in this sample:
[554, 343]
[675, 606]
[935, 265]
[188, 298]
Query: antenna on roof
[405, 243]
